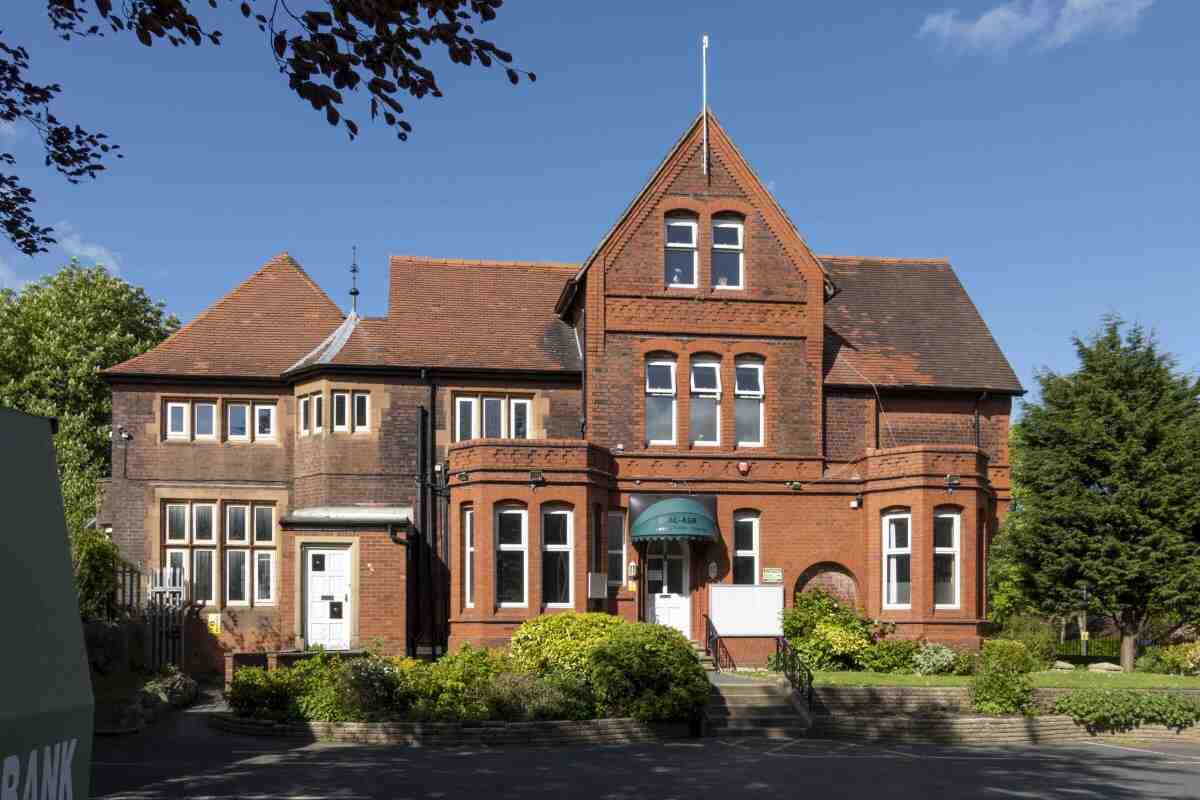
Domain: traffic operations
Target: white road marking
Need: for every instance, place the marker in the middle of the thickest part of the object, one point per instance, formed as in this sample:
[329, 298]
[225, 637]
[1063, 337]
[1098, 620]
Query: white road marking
[1161, 754]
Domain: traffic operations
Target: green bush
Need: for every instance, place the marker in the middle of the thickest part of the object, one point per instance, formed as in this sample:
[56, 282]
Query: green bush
[255, 692]
[560, 643]
[648, 672]
[94, 561]
[317, 681]
[1002, 684]
[455, 687]
[816, 606]
[889, 655]
[934, 659]
[965, 662]
[368, 689]
[1117, 711]
[1039, 637]
[1177, 659]
[523, 696]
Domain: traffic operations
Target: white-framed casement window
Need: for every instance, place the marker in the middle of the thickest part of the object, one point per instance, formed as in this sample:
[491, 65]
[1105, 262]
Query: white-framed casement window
[238, 423]
[512, 557]
[318, 401]
[468, 532]
[947, 534]
[745, 548]
[237, 577]
[704, 403]
[237, 524]
[727, 266]
[557, 557]
[304, 421]
[660, 401]
[362, 412]
[176, 562]
[520, 412]
[264, 525]
[177, 420]
[205, 420]
[264, 421]
[264, 577]
[748, 402]
[177, 523]
[616, 548]
[492, 418]
[897, 560]
[341, 411]
[680, 257]
[204, 575]
[465, 426]
[204, 523]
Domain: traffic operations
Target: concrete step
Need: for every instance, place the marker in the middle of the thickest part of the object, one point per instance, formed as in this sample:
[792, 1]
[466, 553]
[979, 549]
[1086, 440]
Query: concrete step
[767, 691]
[775, 731]
[715, 712]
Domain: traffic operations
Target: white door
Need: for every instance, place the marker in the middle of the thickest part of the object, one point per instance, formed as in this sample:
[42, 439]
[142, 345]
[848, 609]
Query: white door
[668, 593]
[328, 598]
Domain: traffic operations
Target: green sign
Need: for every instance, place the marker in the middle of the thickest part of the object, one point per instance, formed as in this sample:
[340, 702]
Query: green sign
[656, 517]
[772, 575]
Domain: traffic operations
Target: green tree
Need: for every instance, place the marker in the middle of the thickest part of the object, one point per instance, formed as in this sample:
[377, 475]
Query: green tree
[55, 337]
[1106, 483]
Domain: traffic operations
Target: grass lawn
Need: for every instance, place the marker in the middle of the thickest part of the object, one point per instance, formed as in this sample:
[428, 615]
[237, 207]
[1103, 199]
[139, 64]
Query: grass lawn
[1043, 680]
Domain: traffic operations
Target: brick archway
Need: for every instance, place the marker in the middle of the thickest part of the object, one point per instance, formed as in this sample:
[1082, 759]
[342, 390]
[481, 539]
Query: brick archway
[832, 578]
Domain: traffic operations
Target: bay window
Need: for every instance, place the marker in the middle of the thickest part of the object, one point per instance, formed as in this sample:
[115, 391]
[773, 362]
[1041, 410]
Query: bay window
[660, 401]
[493, 417]
[557, 557]
[304, 416]
[897, 560]
[341, 412]
[512, 557]
[946, 538]
[616, 548]
[704, 403]
[498, 416]
[362, 409]
[468, 529]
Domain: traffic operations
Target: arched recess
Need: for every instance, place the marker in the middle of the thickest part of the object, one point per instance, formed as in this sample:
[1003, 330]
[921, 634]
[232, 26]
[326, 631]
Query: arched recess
[830, 577]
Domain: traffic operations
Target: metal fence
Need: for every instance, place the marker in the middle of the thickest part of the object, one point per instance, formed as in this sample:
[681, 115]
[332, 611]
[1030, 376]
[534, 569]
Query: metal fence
[159, 610]
[1107, 647]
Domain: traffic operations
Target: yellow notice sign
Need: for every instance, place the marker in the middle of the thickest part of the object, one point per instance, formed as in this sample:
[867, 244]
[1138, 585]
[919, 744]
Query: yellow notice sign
[214, 624]
[1084, 635]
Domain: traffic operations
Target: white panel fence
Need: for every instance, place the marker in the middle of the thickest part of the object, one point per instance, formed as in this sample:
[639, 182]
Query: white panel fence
[746, 610]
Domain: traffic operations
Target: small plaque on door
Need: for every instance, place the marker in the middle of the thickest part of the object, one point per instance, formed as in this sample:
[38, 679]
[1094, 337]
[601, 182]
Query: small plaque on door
[326, 597]
[335, 610]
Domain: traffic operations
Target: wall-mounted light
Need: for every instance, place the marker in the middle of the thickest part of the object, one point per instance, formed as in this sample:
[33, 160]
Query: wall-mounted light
[856, 501]
[463, 477]
[952, 482]
[536, 478]
[795, 486]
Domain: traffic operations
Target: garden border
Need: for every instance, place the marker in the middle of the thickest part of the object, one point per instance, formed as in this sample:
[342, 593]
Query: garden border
[975, 731]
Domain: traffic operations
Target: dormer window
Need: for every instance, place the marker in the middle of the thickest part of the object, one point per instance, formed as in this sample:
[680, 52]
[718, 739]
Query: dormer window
[727, 252]
[680, 256]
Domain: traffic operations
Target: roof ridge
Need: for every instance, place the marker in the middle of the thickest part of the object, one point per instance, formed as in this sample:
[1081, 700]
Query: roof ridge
[485, 262]
[883, 259]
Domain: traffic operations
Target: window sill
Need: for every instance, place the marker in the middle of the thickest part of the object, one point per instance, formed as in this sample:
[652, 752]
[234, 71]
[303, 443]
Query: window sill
[897, 608]
[728, 288]
[955, 607]
[750, 445]
[560, 606]
[232, 604]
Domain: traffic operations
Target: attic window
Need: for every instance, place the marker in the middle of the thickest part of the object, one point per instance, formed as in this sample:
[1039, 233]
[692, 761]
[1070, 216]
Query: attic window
[680, 258]
[727, 252]
[177, 420]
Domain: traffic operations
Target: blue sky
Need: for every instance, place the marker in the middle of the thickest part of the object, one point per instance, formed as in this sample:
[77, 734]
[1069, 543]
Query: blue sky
[1048, 147]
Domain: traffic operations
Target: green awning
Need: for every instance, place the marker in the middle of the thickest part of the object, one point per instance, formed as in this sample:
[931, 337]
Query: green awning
[675, 518]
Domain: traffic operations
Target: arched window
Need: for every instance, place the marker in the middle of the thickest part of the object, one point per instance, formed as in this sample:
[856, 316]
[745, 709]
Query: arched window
[512, 556]
[660, 400]
[947, 526]
[704, 402]
[745, 548]
[680, 257]
[727, 266]
[468, 537]
[558, 539]
[748, 402]
[897, 559]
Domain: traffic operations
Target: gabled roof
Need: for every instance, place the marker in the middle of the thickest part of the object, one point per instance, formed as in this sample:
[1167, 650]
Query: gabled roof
[908, 323]
[258, 330]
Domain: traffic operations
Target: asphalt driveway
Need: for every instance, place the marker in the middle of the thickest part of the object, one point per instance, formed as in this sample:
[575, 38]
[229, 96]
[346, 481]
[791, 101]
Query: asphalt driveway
[182, 758]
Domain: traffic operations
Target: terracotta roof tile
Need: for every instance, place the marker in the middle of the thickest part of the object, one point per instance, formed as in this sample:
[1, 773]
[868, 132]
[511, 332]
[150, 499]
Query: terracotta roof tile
[908, 323]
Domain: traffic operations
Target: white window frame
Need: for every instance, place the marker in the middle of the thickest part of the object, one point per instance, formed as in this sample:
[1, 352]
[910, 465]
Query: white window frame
[568, 548]
[483, 403]
[897, 551]
[187, 523]
[956, 551]
[302, 417]
[270, 407]
[753, 518]
[468, 533]
[694, 248]
[248, 527]
[760, 395]
[255, 556]
[527, 404]
[366, 398]
[253, 527]
[610, 550]
[214, 577]
[739, 248]
[523, 548]
[186, 432]
[216, 536]
[318, 407]
[250, 422]
[710, 394]
[472, 403]
[229, 552]
[344, 397]
[216, 420]
[186, 552]
[672, 393]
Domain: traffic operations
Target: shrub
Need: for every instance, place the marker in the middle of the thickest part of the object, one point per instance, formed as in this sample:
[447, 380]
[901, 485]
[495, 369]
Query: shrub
[521, 696]
[889, 655]
[316, 682]
[965, 662]
[934, 659]
[1178, 659]
[259, 694]
[560, 643]
[1002, 684]
[648, 672]
[455, 686]
[1117, 711]
[1038, 636]
[815, 606]
[368, 688]
[94, 561]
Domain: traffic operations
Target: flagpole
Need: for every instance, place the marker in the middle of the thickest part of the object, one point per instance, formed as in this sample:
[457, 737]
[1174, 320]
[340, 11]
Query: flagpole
[704, 95]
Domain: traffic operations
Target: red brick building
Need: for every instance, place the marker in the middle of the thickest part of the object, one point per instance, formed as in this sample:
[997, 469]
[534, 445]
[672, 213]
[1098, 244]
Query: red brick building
[703, 406]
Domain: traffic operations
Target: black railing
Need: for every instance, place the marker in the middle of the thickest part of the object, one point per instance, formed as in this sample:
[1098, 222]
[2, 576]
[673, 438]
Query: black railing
[798, 674]
[715, 647]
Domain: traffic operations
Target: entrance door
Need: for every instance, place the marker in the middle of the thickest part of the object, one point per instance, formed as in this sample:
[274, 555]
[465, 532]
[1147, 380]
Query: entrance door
[328, 598]
[667, 588]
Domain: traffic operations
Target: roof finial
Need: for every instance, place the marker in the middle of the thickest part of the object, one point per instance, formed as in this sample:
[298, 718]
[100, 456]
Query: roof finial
[354, 280]
[704, 95]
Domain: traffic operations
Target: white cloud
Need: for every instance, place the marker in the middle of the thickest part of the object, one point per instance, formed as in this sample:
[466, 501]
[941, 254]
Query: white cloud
[8, 277]
[88, 253]
[1043, 23]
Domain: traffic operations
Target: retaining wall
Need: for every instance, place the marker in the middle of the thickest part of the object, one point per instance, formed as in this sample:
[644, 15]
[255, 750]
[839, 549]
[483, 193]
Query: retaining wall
[928, 700]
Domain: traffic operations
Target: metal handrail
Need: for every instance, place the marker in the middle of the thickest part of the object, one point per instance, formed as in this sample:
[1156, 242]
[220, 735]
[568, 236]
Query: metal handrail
[715, 647]
[794, 669]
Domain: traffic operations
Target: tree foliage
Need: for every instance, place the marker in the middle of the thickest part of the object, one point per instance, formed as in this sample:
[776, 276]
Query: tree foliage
[1106, 479]
[325, 52]
[55, 337]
